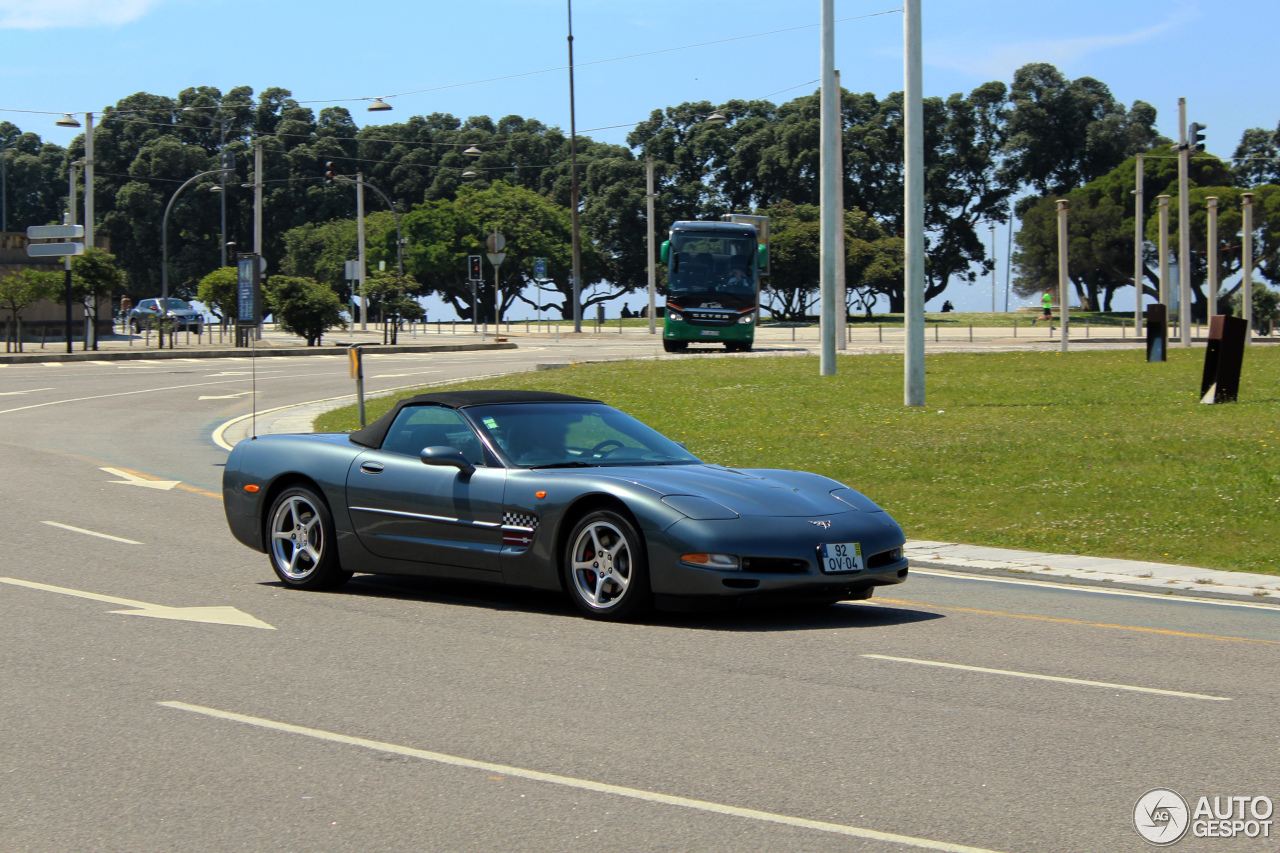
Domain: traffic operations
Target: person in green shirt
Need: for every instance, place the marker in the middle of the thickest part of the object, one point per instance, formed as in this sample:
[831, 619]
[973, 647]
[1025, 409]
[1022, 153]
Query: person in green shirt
[1048, 308]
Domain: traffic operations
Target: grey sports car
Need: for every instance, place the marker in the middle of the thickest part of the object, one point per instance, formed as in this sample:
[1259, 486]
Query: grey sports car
[552, 492]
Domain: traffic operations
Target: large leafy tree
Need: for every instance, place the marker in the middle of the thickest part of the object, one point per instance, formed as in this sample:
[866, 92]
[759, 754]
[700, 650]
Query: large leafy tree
[303, 306]
[35, 178]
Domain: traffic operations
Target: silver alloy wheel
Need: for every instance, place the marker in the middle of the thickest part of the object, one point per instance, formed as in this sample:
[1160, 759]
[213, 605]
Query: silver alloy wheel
[601, 565]
[297, 538]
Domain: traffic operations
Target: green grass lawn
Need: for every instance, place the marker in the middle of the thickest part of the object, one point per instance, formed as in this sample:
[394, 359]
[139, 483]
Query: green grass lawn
[1092, 453]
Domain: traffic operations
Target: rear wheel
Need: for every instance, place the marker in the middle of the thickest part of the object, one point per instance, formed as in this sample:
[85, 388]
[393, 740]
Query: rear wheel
[606, 568]
[675, 346]
[301, 541]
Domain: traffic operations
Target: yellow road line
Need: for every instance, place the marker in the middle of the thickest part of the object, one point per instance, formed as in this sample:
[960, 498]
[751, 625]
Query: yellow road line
[1063, 621]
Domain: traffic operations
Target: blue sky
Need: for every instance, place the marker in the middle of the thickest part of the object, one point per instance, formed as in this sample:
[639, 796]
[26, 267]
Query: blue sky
[80, 55]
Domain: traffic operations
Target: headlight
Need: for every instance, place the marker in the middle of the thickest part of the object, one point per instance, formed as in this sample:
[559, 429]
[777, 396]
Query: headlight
[745, 319]
[674, 316]
[724, 562]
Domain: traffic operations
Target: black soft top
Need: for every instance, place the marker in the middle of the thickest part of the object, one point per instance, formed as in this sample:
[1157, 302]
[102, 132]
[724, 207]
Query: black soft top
[373, 434]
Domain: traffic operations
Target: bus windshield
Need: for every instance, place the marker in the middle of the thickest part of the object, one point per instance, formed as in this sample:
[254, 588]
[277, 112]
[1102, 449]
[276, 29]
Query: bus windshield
[709, 262]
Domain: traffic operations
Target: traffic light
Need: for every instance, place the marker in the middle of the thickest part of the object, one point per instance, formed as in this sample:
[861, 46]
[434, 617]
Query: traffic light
[328, 173]
[1195, 137]
[228, 161]
[474, 271]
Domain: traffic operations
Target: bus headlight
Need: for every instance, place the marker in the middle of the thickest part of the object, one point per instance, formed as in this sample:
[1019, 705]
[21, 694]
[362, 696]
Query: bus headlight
[745, 319]
[676, 317]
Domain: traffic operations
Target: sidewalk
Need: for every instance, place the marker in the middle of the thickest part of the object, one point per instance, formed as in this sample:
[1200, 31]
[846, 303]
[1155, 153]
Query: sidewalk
[1007, 563]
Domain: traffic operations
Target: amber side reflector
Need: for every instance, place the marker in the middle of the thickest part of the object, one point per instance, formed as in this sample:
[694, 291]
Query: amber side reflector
[539, 494]
[251, 488]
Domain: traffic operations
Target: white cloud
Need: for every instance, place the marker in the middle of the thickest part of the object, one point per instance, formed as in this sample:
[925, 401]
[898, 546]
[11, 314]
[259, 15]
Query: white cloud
[44, 14]
[1000, 61]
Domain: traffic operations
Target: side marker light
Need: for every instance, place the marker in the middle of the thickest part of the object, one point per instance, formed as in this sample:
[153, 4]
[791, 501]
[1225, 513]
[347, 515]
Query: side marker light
[252, 488]
[539, 494]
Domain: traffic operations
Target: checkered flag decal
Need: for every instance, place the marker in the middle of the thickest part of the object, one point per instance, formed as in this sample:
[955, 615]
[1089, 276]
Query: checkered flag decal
[518, 529]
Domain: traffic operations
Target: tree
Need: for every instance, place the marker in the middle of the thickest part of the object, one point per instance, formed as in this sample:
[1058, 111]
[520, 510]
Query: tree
[392, 294]
[220, 291]
[320, 250]
[303, 306]
[95, 276]
[20, 291]
[1257, 157]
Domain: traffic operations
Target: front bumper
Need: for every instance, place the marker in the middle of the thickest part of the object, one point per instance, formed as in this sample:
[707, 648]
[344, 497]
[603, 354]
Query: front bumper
[786, 547]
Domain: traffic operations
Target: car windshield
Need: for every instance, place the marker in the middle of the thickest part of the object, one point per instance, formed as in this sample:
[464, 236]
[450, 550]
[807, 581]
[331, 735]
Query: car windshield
[572, 435]
[177, 305]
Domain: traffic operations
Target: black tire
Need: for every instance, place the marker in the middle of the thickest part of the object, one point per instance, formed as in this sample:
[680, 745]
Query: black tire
[133, 324]
[605, 540]
[300, 540]
[675, 346]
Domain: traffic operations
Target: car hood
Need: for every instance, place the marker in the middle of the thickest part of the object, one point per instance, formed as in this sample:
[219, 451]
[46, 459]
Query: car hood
[774, 493]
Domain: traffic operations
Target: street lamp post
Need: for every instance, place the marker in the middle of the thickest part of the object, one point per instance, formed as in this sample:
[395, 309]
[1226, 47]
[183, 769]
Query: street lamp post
[164, 235]
[573, 188]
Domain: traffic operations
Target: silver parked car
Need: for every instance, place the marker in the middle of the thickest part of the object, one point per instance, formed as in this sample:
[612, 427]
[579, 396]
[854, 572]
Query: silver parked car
[182, 314]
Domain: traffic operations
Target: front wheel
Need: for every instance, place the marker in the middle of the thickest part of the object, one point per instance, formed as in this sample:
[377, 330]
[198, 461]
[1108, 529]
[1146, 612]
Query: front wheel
[606, 569]
[675, 346]
[301, 541]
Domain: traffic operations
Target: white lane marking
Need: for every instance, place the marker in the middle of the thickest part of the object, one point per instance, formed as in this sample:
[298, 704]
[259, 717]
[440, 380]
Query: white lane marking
[28, 391]
[1052, 678]
[211, 615]
[135, 480]
[224, 396]
[960, 576]
[581, 784]
[52, 363]
[90, 532]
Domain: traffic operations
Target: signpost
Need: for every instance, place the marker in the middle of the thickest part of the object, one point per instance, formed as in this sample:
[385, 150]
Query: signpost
[475, 274]
[249, 296]
[539, 273]
[496, 244]
[65, 250]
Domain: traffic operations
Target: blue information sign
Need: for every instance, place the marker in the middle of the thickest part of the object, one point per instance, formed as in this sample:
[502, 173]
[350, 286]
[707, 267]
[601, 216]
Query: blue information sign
[245, 289]
[539, 267]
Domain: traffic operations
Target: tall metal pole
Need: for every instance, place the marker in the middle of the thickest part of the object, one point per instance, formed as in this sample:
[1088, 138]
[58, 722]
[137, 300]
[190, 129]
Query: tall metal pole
[1184, 227]
[842, 298]
[1139, 243]
[827, 182]
[993, 265]
[1164, 249]
[91, 309]
[222, 154]
[1008, 267]
[1246, 265]
[364, 300]
[913, 210]
[257, 221]
[573, 189]
[66, 259]
[4, 191]
[1211, 240]
[1064, 297]
[653, 269]
[164, 234]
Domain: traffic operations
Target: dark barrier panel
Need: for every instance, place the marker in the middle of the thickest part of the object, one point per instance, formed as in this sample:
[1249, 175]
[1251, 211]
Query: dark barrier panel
[1157, 332]
[1223, 358]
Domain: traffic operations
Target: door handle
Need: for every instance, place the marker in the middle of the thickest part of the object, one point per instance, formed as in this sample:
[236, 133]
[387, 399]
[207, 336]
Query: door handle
[371, 467]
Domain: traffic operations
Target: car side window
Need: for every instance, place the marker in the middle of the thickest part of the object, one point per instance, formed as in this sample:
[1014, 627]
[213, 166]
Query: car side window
[417, 427]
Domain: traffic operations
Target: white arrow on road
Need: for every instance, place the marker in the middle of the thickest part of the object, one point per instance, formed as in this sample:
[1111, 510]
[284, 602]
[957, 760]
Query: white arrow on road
[135, 480]
[28, 391]
[212, 615]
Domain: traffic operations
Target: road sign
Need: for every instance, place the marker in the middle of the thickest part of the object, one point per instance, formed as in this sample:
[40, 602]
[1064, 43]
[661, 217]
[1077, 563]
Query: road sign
[496, 242]
[496, 258]
[247, 289]
[351, 270]
[54, 232]
[47, 250]
[539, 267]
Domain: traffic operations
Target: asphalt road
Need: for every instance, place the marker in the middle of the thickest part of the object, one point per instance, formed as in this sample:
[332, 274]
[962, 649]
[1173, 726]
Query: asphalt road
[402, 714]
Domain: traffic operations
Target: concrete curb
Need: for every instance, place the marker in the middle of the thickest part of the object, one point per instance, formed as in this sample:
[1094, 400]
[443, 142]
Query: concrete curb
[143, 354]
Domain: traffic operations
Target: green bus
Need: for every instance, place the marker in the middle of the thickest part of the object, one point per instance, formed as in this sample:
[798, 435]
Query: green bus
[713, 283]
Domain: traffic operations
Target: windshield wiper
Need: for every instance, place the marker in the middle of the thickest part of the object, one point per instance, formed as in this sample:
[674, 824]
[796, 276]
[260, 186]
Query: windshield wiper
[566, 465]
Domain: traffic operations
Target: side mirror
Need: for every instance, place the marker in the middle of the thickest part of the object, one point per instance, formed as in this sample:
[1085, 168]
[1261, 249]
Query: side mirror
[449, 457]
[664, 253]
[762, 257]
